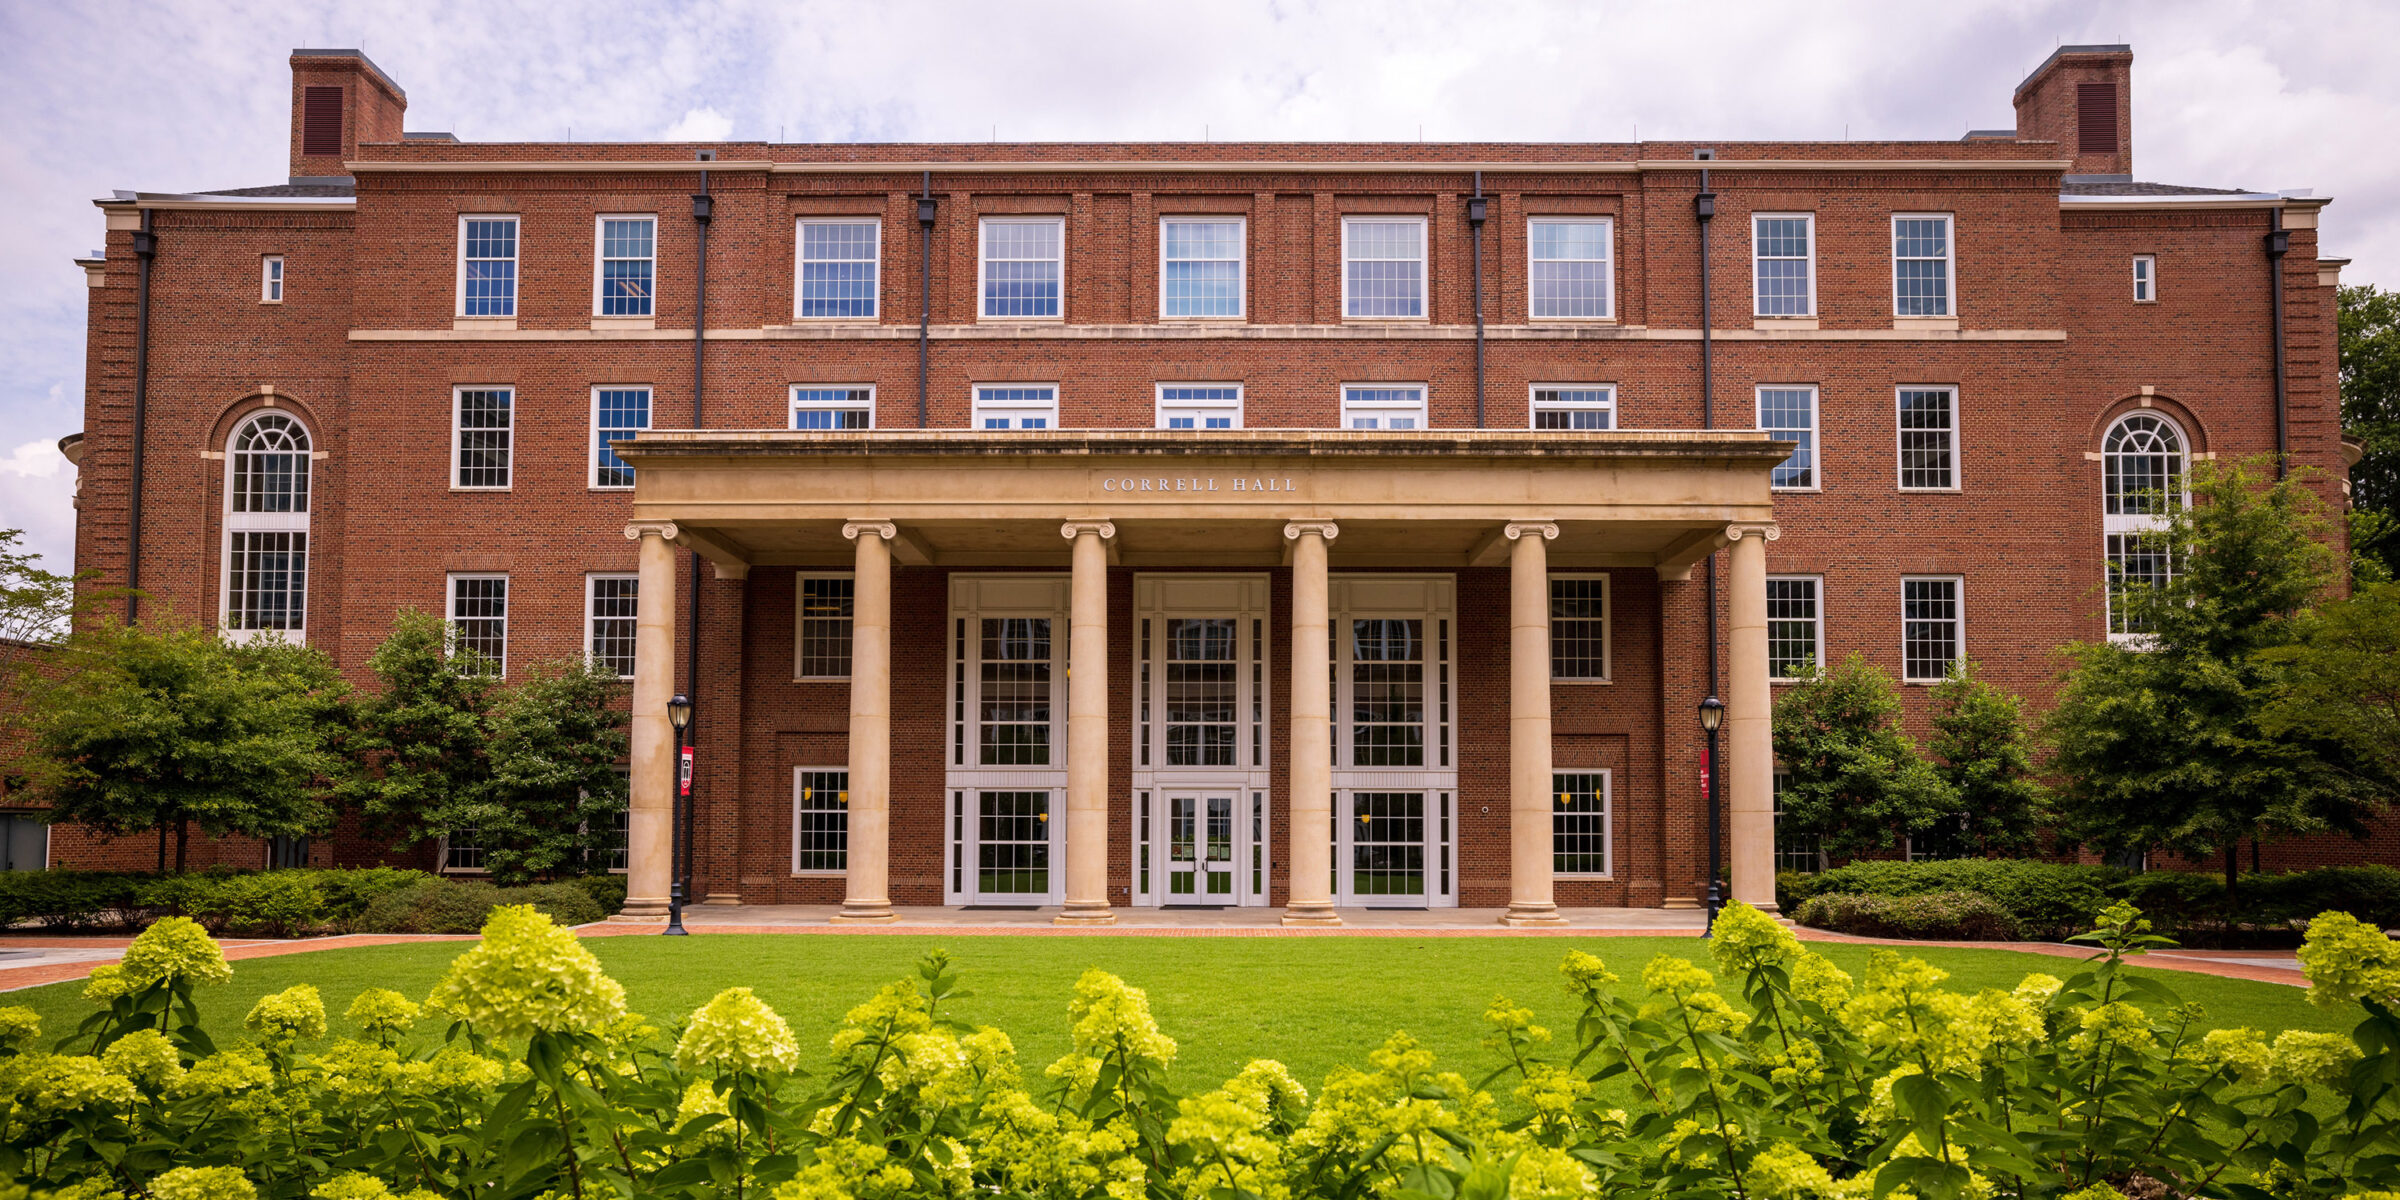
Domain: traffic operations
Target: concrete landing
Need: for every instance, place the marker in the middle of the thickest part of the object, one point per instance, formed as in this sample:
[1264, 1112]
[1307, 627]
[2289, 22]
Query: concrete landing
[1199, 922]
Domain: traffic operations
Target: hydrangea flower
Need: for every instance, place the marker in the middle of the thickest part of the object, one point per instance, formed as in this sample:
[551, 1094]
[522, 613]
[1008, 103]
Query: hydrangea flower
[1586, 975]
[2243, 1053]
[355, 1185]
[174, 948]
[736, 1031]
[894, 1009]
[357, 1072]
[991, 1056]
[146, 1057]
[382, 1013]
[1784, 1171]
[295, 1014]
[226, 1074]
[20, 1028]
[1108, 1014]
[2303, 1057]
[1510, 1021]
[203, 1183]
[1744, 939]
[2347, 959]
[2117, 1024]
[56, 1084]
[107, 982]
[932, 1063]
[528, 976]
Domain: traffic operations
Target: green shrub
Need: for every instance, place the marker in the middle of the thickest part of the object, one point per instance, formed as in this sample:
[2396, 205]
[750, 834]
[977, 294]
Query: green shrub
[2369, 893]
[564, 903]
[2183, 902]
[456, 906]
[607, 891]
[253, 904]
[62, 899]
[348, 892]
[1940, 916]
[2048, 900]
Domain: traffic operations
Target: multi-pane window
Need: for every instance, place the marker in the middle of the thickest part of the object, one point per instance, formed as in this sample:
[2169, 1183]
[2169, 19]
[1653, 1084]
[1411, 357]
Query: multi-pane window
[266, 528]
[824, 634]
[618, 836]
[1016, 658]
[483, 432]
[270, 279]
[1794, 851]
[840, 269]
[1557, 406]
[1928, 438]
[1021, 260]
[1015, 406]
[1383, 267]
[1199, 406]
[2142, 485]
[1387, 692]
[1930, 634]
[1383, 406]
[1790, 413]
[479, 623]
[1579, 841]
[1783, 255]
[610, 605]
[1568, 269]
[1578, 626]
[1795, 627]
[817, 407]
[820, 820]
[2145, 278]
[618, 413]
[627, 267]
[462, 849]
[487, 266]
[1202, 691]
[1200, 267]
[1921, 266]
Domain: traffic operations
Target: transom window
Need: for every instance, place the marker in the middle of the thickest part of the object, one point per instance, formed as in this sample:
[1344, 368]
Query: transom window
[2142, 474]
[1574, 406]
[1931, 628]
[1921, 266]
[1015, 406]
[2145, 278]
[611, 602]
[628, 266]
[479, 624]
[266, 528]
[1579, 833]
[487, 266]
[816, 407]
[1199, 406]
[1383, 267]
[1790, 413]
[1579, 627]
[840, 270]
[1021, 262]
[618, 413]
[483, 431]
[1928, 438]
[1569, 275]
[1383, 406]
[1200, 267]
[820, 820]
[1795, 627]
[823, 644]
[1783, 248]
[270, 279]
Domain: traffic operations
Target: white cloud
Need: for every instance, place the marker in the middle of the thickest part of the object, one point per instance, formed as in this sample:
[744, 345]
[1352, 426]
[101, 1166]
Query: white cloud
[699, 125]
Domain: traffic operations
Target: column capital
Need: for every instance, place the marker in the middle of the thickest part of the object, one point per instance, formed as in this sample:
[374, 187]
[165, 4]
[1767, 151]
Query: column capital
[1764, 532]
[663, 530]
[1324, 529]
[1071, 530]
[1515, 530]
[882, 529]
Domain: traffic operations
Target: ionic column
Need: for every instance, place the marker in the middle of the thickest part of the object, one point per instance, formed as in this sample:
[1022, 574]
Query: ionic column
[867, 894]
[1087, 726]
[1749, 721]
[650, 819]
[1529, 778]
[1311, 884]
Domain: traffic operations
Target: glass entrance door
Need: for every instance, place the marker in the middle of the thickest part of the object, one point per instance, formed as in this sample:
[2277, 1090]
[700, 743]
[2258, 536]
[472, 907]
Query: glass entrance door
[1200, 848]
[1012, 846]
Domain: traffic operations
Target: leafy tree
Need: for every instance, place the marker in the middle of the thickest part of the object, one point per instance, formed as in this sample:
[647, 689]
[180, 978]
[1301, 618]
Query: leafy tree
[2340, 680]
[1854, 778]
[37, 607]
[422, 742]
[549, 803]
[1982, 750]
[159, 726]
[2369, 321]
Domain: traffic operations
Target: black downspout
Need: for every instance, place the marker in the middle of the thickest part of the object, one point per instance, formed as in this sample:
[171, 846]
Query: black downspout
[1704, 208]
[925, 214]
[145, 247]
[1477, 210]
[703, 211]
[2279, 241]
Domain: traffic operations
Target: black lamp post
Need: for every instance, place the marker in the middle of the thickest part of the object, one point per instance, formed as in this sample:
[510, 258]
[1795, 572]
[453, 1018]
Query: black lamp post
[679, 716]
[1712, 714]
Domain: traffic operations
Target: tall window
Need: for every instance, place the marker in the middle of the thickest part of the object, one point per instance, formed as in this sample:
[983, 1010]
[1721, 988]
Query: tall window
[816, 407]
[1579, 841]
[479, 623]
[1790, 413]
[617, 415]
[823, 643]
[1578, 627]
[1199, 406]
[1200, 267]
[1383, 267]
[270, 279]
[2145, 278]
[487, 266]
[2141, 485]
[1795, 627]
[1021, 261]
[1921, 266]
[1931, 635]
[1203, 691]
[266, 528]
[820, 820]
[610, 603]
[1794, 851]
[1015, 406]
[1383, 406]
[1928, 439]
[841, 268]
[1387, 690]
[1016, 659]
[1558, 406]
[483, 430]
[1783, 253]
[1569, 274]
[627, 267]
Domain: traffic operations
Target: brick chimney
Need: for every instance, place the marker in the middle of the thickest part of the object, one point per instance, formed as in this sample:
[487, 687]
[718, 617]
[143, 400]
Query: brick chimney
[2082, 98]
[340, 100]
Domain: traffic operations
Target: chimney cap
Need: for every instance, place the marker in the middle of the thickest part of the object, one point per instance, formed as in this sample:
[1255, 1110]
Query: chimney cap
[2124, 48]
[361, 56]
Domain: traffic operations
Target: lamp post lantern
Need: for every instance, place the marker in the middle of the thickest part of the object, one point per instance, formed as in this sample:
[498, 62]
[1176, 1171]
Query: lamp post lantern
[1712, 714]
[679, 716]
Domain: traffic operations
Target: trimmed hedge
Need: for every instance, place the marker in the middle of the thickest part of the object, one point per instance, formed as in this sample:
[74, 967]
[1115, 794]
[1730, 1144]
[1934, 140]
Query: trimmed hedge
[1938, 916]
[2057, 900]
[2047, 900]
[445, 906]
[285, 903]
[73, 901]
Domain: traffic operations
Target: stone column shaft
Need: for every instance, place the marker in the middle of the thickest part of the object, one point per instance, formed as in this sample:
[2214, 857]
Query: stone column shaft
[1529, 777]
[867, 894]
[1087, 727]
[650, 819]
[1310, 900]
[1749, 722]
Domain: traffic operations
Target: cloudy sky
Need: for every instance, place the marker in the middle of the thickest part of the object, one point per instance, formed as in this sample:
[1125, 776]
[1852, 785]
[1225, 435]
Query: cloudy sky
[173, 95]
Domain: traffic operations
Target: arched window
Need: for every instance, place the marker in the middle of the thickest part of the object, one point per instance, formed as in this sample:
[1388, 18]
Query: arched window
[266, 529]
[2142, 482]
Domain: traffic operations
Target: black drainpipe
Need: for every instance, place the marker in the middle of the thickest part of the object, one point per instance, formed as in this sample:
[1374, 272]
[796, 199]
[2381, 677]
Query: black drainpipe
[2279, 241]
[1704, 208]
[703, 211]
[145, 246]
[925, 213]
[1477, 209]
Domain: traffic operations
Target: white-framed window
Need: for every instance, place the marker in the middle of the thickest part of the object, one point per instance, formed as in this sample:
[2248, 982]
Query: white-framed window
[1383, 268]
[840, 269]
[1574, 406]
[1921, 265]
[2142, 484]
[1383, 406]
[267, 464]
[1200, 267]
[482, 435]
[1199, 406]
[610, 604]
[1580, 839]
[2145, 278]
[1579, 644]
[625, 266]
[1795, 627]
[820, 820]
[479, 621]
[821, 641]
[1568, 276]
[1928, 432]
[1016, 406]
[612, 849]
[487, 266]
[270, 279]
[1789, 411]
[833, 406]
[462, 851]
[1022, 261]
[1783, 264]
[1932, 626]
[1794, 851]
[618, 413]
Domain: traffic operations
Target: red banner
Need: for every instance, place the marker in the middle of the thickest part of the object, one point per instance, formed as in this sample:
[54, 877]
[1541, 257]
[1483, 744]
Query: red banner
[683, 779]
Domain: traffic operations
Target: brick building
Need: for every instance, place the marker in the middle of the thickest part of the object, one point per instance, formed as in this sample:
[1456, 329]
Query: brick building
[1094, 525]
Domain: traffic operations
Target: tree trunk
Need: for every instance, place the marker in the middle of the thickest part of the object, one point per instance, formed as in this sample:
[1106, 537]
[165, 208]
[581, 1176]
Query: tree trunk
[162, 847]
[2233, 867]
[183, 840]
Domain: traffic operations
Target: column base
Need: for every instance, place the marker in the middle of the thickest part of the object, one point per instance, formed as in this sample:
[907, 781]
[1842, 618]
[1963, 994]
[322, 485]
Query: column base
[1086, 914]
[1317, 914]
[864, 912]
[643, 910]
[1531, 914]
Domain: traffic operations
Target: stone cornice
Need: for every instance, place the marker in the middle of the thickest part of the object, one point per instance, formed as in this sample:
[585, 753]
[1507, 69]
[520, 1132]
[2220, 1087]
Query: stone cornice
[1325, 444]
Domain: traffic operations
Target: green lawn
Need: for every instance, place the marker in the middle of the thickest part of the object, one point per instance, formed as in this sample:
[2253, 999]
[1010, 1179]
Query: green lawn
[1312, 1002]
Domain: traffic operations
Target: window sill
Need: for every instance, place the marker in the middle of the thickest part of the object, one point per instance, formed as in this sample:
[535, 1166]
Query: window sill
[595, 488]
[820, 874]
[1926, 324]
[1537, 322]
[1796, 491]
[461, 488]
[1800, 323]
[869, 319]
[1236, 319]
[487, 324]
[1387, 320]
[624, 323]
[820, 679]
[991, 320]
[1926, 491]
[1555, 681]
[1583, 878]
